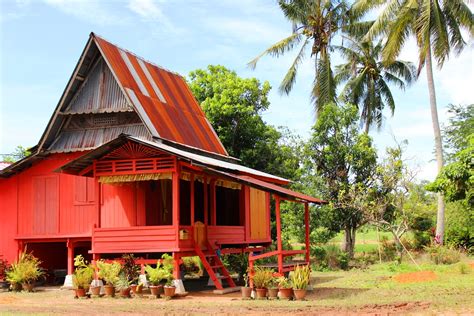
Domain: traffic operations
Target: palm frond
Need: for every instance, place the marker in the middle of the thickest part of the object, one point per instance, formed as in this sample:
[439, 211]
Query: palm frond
[324, 87]
[279, 48]
[290, 77]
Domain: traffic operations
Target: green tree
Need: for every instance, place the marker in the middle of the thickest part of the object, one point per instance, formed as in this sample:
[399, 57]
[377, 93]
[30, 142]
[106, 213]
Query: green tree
[344, 159]
[19, 153]
[436, 26]
[234, 107]
[367, 79]
[315, 23]
[458, 130]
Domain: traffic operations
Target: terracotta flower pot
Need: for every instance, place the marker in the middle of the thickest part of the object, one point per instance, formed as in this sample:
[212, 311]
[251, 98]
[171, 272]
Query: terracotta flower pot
[125, 292]
[286, 293]
[133, 287]
[16, 287]
[273, 293]
[169, 291]
[80, 292]
[156, 290]
[261, 293]
[95, 290]
[28, 287]
[109, 290]
[246, 292]
[300, 294]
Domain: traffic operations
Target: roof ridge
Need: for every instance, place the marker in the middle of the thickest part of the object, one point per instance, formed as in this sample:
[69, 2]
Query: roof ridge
[136, 56]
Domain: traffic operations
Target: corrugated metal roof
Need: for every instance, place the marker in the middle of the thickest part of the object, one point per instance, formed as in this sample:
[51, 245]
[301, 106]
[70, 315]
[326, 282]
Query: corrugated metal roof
[4, 164]
[162, 98]
[99, 93]
[76, 140]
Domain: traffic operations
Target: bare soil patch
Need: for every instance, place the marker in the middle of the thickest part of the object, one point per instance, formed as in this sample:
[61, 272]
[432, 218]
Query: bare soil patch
[412, 277]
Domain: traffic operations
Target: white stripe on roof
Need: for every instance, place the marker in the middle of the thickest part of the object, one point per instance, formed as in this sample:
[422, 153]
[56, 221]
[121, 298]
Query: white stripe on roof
[134, 73]
[141, 112]
[150, 79]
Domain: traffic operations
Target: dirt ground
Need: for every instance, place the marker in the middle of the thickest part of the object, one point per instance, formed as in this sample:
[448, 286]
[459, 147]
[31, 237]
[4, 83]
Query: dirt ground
[55, 301]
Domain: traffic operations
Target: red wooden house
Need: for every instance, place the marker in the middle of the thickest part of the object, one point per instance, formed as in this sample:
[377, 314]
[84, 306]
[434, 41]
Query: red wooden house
[129, 164]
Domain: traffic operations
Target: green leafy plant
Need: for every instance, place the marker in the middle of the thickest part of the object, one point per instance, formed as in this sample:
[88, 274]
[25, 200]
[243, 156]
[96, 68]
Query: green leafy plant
[300, 277]
[262, 277]
[167, 262]
[83, 274]
[283, 283]
[25, 270]
[109, 272]
[157, 274]
[443, 254]
[169, 280]
[246, 279]
[122, 283]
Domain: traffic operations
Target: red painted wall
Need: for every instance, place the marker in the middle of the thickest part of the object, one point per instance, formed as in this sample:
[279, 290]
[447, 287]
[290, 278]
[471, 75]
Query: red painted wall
[41, 203]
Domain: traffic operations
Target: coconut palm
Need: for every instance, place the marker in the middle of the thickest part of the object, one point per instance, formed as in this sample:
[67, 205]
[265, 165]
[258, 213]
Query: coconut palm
[436, 26]
[315, 22]
[367, 79]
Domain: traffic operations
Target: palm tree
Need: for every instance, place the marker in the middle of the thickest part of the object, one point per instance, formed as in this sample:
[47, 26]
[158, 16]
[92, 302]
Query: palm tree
[367, 79]
[315, 22]
[436, 26]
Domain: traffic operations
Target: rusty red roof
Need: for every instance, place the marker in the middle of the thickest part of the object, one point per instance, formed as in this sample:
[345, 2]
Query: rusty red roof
[162, 99]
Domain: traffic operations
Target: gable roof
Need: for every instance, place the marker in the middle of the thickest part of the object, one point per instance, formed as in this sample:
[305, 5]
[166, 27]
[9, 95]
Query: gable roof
[161, 98]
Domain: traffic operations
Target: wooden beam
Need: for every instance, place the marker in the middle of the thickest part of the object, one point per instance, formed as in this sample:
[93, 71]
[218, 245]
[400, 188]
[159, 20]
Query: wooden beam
[175, 191]
[206, 202]
[70, 257]
[213, 202]
[246, 190]
[306, 223]
[278, 228]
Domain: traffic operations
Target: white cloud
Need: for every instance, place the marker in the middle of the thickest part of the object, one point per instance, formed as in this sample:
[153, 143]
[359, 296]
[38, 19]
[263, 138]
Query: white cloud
[91, 11]
[149, 10]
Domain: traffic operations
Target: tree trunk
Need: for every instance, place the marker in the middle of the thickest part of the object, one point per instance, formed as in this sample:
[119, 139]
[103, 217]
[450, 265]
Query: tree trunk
[349, 240]
[438, 144]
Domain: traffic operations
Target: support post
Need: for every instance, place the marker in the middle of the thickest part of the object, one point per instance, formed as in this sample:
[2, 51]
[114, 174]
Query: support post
[97, 199]
[206, 203]
[70, 257]
[175, 184]
[278, 227]
[306, 223]
[213, 202]
[192, 200]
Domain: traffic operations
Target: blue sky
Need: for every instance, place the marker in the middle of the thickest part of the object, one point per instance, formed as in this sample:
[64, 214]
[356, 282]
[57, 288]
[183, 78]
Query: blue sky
[40, 43]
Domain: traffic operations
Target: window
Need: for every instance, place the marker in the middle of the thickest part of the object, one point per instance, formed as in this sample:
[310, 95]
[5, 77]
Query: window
[227, 206]
[84, 190]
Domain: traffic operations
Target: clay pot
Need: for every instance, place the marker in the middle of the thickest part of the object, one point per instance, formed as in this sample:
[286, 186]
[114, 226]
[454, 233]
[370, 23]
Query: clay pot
[261, 293]
[286, 293]
[273, 293]
[299, 294]
[125, 292]
[169, 291]
[109, 290]
[95, 290]
[80, 292]
[246, 292]
[16, 287]
[133, 287]
[156, 290]
[28, 287]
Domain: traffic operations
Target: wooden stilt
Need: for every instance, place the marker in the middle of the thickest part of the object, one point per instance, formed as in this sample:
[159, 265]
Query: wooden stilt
[306, 223]
[278, 228]
[70, 256]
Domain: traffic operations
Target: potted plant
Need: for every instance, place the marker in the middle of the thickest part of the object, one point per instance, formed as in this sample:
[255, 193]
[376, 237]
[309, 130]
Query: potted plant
[155, 276]
[300, 279]
[109, 272]
[285, 289]
[170, 288]
[25, 272]
[246, 290]
[83, 276]
[131, 271]
[123, 285]
[273, 289]
[137, 288]
[261, 279]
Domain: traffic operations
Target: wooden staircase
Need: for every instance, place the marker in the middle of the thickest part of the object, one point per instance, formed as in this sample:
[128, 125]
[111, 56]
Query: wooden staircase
[213, 264]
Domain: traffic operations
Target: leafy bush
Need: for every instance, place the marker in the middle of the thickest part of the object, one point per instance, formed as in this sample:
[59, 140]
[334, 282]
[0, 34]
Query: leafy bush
[25, 270]
[464, 268]
[262, 277]
[300, 277]
[329, 257]
[84, 273]
[109, 272]
[236, 263]
[130, 269]
[163, 271]
[388, 249]
[443, 254]
[283, 283]
[460, 226]
[191, 265]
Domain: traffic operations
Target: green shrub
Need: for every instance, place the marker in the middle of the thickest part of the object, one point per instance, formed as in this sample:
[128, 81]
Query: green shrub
[443, 254]
[109, 272]
[25, 270]
[191, 265]
[157, 274]
[262, 277]
[300, 277]
[464, 268]
[83, 274]
[236, 263]
[130, 269]
[388, 249]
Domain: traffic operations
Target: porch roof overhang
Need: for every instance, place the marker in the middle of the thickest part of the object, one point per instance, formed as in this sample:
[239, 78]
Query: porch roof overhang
[211, 165]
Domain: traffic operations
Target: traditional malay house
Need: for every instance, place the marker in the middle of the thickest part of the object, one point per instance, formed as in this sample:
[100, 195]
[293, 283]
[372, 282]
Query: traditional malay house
[128, 163]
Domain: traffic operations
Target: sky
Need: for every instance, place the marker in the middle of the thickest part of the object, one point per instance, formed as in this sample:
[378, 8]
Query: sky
[41, 41]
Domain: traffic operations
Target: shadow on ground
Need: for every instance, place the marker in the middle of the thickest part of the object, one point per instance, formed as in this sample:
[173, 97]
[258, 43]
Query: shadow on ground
[335, 292]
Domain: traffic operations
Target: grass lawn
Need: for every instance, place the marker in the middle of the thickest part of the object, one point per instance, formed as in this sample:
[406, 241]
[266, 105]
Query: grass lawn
[371, 291]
